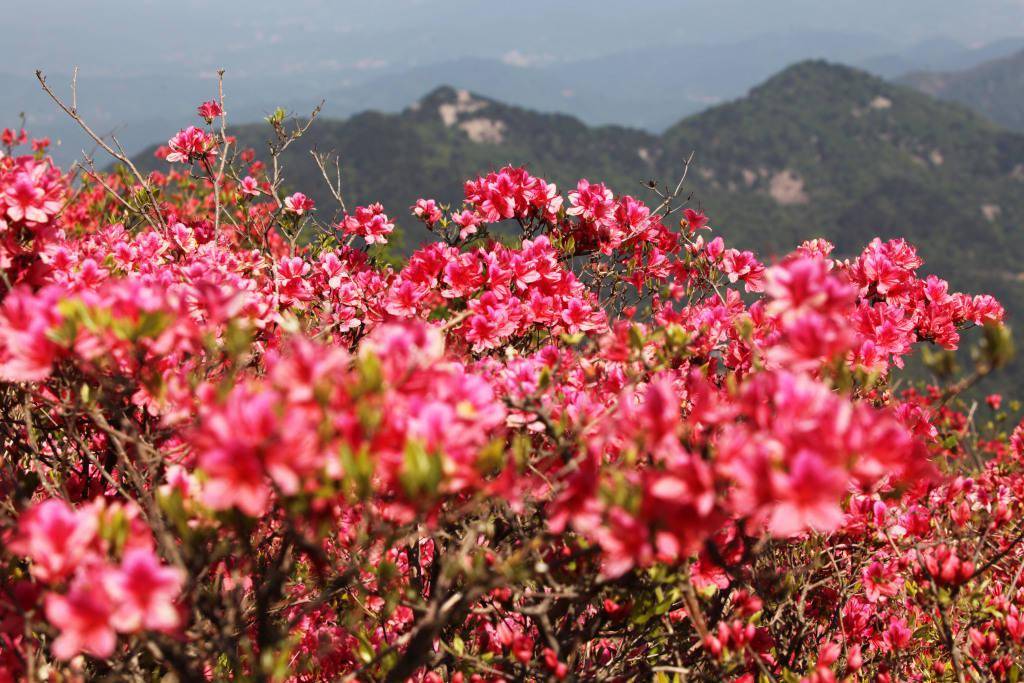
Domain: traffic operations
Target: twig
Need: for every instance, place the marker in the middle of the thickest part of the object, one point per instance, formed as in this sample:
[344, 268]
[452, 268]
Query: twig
[335, 185]
[118, 154]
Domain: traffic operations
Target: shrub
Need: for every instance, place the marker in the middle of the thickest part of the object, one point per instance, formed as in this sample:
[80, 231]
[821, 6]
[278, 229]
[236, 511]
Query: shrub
[240, 444]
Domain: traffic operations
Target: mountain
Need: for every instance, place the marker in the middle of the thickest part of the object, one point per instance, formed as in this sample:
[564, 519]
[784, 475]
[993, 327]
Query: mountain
[994, 88]
[649, 87]
[828, 149]
[653, 86]
[818, 148]
[938, 54]
[646, 84]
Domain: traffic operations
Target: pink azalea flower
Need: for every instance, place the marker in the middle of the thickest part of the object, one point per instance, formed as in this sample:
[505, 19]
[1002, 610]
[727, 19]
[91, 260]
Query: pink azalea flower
[56, 539]
[809, 497]
[468, 223]
[33, 192]
[880, 581]
[83, 617]
[743, 265]
[591, 202]
[27, 352]
[144, 592]
[210, 110]
[427, 211]
[298, 204]
[191, 144]
[897, 635]
[250, 186]
[369, 222]
[694, 220]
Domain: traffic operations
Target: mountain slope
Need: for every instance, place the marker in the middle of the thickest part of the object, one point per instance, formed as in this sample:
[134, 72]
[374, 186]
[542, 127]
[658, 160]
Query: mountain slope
[994, 88]
[938, 54]
[829, 149]
[653, 86]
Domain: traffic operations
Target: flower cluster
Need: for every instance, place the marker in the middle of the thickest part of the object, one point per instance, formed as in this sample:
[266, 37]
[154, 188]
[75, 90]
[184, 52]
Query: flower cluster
[512, 193]
[370, 223]
[191, 144]
[32, 193]
[89, 598]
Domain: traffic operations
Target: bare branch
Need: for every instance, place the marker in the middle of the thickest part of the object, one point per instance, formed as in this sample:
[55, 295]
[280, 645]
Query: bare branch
[118, 154]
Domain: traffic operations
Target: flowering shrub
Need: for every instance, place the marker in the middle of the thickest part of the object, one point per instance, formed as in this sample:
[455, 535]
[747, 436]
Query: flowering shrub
[609, 447]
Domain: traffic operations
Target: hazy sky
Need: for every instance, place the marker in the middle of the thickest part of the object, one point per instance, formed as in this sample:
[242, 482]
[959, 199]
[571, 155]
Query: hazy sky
[187, 37]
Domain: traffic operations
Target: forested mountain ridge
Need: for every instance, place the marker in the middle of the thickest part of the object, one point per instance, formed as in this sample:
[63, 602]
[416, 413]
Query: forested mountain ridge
[994, 89]
[819, 149]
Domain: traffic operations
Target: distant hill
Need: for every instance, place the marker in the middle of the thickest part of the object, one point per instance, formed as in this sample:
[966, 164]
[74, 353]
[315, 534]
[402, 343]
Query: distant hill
[654, 86]
[828, 149]
[938, 54]
[994, 88]
[817, 150]
[648, 85]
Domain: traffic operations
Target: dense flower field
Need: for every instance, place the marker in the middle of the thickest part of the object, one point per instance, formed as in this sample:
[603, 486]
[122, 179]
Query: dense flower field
[241, 443]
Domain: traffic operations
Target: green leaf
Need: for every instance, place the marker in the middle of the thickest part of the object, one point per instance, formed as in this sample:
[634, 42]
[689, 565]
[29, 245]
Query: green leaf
[369, 369]
[358, 467]
[421, 472]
